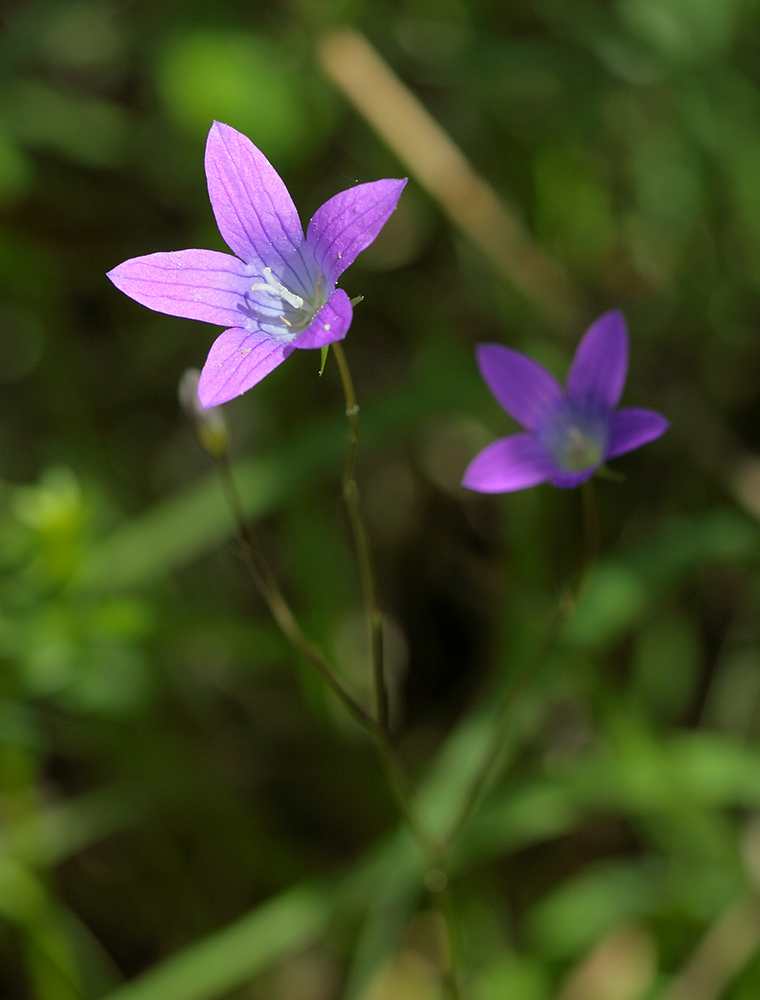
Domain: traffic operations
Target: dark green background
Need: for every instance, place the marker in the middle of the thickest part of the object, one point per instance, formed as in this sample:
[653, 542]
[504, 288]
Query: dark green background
[167, 764]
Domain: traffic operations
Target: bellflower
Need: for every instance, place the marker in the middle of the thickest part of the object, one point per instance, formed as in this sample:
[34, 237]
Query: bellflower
[278, 292]
[569, 433]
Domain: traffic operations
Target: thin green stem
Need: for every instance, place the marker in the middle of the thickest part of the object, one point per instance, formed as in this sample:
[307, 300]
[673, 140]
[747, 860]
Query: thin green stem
[377, 728]
[361, 542]
[279, 607]
[404, 795]
[454, 936]
[511, 694]
[516, 689]
[590, 533]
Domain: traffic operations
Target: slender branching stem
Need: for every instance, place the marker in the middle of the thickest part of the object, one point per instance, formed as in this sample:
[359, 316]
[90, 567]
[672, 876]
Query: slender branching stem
[293, 632]
[516, 689]
[279, 607]
[361, 542]
[436, 857]
[377, 728]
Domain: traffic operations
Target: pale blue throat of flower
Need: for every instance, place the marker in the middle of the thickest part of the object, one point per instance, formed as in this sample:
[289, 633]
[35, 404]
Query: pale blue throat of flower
[575, 438]
[280, 311]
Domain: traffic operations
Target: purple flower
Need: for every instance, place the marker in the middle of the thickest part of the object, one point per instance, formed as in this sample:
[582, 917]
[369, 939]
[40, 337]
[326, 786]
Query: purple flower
[278, 292]
[569, 432]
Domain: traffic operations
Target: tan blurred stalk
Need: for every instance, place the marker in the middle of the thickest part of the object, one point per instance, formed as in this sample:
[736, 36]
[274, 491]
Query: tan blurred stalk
[442, 169]
[621, 967]
[417, 971]
[411, 976]
[721, 955]
[746, 483]
[731, 941]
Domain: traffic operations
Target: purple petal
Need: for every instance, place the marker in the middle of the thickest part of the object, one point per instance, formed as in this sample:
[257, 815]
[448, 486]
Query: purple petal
[569, 480]
[633, 427]
[196, 284]
[330, 324]
[236, 362]
[526, 390]
[511, 463]
[253, 209]
[597, 374]
[348, 222]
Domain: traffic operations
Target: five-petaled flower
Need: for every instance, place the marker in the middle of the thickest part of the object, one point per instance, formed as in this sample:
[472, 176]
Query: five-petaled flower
[570, 432]
[278, 292]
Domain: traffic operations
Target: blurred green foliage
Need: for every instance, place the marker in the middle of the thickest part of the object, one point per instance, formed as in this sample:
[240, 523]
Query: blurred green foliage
[185, 813]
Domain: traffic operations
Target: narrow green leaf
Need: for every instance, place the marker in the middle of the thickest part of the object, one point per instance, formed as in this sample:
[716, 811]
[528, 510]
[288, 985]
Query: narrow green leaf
[226, 960]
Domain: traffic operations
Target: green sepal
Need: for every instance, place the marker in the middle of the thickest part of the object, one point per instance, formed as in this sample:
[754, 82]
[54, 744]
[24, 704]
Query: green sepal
[325, 351]
[605, 472]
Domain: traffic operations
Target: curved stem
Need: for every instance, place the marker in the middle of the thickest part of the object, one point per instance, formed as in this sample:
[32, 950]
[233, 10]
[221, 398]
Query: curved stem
[361, 542]
[514, 690]
[377, 728]
[279, 607]
[511, 694]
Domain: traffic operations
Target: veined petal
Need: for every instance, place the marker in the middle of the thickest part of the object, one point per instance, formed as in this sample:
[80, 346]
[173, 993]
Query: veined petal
[526, 390]
[633, 427]
[511, 463]
[330, 324]
[196, 284]
[597, 374]
[253, 209]
[236, 362]
[348, 222]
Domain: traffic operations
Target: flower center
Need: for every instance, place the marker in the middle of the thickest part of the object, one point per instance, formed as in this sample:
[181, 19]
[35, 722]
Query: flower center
[579, 450]
[576, 440]
[289, 313]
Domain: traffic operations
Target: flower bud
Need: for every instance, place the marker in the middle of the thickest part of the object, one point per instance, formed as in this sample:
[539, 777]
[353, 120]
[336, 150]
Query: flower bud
[209, 424]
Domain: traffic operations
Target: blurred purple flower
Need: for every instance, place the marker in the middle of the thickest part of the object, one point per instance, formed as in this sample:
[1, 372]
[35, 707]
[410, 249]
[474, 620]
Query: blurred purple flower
[278, 292]
[569, 432]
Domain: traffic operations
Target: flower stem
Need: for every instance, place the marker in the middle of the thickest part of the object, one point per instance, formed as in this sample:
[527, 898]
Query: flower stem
[454, 936]
[512, 692]
[590, 532]
[397, 779]
[361, 542]
[288, 623]
[435, 852]
[279, 607]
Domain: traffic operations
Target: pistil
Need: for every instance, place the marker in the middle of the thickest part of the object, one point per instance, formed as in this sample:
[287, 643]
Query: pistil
[273, 286]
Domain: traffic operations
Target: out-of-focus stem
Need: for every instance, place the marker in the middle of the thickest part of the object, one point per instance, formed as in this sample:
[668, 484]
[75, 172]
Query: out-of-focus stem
[510, 696]
[288, 623]
[436, 856]
[513, 691]
[377, 728]
[430, 154]
[590, 533]
[361, 541]
[722, 953]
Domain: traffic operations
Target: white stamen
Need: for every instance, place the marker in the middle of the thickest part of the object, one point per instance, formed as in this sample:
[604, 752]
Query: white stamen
[273, 286]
